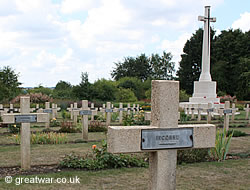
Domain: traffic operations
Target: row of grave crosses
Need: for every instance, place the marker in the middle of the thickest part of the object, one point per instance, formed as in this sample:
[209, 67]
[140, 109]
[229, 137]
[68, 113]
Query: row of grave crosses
[75, 111]
[52, 112]
[221, 110]
[25, 117]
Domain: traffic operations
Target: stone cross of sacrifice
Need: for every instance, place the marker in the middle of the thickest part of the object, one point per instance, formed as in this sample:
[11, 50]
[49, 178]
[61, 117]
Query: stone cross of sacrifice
[25, 118]
[205, 73]
[163, 137]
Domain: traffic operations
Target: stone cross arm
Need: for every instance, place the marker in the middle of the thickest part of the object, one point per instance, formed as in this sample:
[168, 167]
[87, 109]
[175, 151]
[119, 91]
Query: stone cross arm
[202, 18]
[128, 139]
[25, 118]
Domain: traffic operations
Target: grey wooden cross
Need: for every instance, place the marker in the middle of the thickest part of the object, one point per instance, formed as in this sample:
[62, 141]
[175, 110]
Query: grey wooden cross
[25, 118]
[163, 137]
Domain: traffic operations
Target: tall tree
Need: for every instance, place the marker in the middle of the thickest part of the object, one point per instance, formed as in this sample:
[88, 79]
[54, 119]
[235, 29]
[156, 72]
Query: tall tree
[62, 90]
[132, 67]
[83, 90]
[143, 67]
[162, 67]
[9, 84]
[230, 49]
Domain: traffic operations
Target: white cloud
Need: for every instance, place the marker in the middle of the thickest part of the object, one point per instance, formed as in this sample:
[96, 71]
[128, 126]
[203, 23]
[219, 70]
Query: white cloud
[176, 47]
[49, 42]
[69, 6]
[243, 22]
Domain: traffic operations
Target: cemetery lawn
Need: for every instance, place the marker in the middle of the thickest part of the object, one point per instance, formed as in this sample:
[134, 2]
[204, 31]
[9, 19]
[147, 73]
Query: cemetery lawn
[229, 174]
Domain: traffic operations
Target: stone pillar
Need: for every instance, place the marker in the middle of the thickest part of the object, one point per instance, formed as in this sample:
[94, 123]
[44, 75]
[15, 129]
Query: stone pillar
[133, 108]
[247, 111]
[104, 112]
[108, 121]
[128, 108]
[138, 109]
[47, 106]
[25, 134]
[71, 111]
[92, 108]
[199, 112]
[11, 108]
[233, 111]
[54, 111]
[165, 102]
[75, 113]
[192, 112]
[188, 110]
[209, 113]
[85, 121]
[120, 113]
[226, 116]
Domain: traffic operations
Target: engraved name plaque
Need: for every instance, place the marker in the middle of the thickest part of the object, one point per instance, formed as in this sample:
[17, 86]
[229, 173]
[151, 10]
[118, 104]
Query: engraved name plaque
[25, 118]
[85, 112]
[155, 139]
[109, 110]
[47, 111]
[227, 111]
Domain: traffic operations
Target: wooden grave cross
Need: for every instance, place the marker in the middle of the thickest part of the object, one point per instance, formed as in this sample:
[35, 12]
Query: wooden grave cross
[247, 112]
[71, 111]
[25, 118]
[163, 137]
[227, 111]
[85, 112]
[109, 111]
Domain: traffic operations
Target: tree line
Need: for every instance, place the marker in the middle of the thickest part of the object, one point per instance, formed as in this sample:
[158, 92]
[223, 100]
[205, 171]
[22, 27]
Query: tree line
[230, 67]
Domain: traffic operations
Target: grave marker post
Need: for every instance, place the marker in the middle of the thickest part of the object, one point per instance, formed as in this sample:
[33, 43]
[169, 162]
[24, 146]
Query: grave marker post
[226, 112]
[92, 108]
[120, 112]
[247, 111]
[25, 134]
[128, 108]
[25, 118]
[199, 109]
[85, 120]
[192, 111]
[75, 113]
[209, 112]
[163, 137]
[109, 111]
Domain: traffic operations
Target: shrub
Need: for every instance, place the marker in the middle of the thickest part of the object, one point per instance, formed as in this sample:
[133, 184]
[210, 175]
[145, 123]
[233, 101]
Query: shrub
[68, 127]
[65, 114]
[139, 119]
[127, 119]
[54, 123]
[44, 138]
[114, 116]
[183, 96]
[101, 159]
[125, 95]
[34, 98]
[192, 155]
[222, 144]
[96, 126]
[236, 133]
[184, 117]
[14, 128]
[240, 107]
[227, 98]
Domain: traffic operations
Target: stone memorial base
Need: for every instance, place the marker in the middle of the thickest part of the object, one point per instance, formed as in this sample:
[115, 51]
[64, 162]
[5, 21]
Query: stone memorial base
[204, 92]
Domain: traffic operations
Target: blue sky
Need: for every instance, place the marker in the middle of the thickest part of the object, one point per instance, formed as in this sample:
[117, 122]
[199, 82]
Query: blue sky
[51, 40]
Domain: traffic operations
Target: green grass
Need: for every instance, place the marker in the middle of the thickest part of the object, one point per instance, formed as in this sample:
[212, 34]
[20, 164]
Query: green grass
[230, 174]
